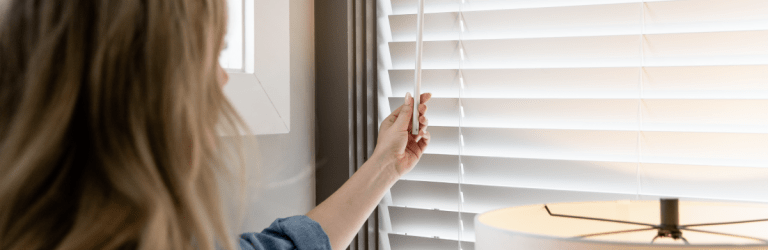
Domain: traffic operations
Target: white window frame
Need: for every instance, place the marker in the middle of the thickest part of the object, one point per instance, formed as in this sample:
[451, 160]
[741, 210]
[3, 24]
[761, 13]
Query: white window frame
[260, 89]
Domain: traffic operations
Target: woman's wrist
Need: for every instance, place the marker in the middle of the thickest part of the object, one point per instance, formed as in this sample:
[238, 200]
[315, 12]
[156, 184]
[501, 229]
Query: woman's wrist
[385, 166]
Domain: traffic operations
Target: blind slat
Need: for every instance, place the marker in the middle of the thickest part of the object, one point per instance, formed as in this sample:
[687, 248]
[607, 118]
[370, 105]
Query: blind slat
[604, 51]
[400, 7]
[409, 242]
[700, 181]
[431, 223]
[588, 20]
[711, 182]
[619, 146]
[479, 198]
[586, 176]
[692, 49]
[725, 116]
[685, 82]
[597, 20]
[693, 148]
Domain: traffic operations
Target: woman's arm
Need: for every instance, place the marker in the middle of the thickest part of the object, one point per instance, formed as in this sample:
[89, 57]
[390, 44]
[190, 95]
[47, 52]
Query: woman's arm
[396, 153]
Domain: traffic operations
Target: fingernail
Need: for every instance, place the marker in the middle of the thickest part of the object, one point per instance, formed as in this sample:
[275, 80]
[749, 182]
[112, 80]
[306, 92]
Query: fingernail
[418, 139]
[408, 97]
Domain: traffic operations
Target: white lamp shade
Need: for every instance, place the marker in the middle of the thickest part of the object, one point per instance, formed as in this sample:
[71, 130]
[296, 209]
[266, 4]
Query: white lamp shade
[532, 227]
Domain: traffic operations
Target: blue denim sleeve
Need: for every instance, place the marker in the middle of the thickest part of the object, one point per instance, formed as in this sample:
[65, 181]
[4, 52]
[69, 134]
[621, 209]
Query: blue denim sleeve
[297, 232]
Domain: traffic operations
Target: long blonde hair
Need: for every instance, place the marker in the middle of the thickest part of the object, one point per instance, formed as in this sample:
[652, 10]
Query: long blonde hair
[108, 116]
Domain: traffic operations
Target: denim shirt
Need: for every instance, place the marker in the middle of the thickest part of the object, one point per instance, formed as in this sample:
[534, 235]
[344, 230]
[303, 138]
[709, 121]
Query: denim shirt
[297, 232]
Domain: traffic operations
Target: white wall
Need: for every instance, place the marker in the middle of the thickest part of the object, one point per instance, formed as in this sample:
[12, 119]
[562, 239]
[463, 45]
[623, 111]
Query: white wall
[287, 161]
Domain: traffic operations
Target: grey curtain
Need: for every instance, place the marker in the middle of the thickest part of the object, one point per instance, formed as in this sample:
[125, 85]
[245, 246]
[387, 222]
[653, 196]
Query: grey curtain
[345, 98]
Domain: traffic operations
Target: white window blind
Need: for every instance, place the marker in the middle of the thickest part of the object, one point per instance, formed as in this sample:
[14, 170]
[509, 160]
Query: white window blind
[539, 101]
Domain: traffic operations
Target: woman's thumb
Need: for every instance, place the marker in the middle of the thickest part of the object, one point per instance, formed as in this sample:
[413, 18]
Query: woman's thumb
[404, 117]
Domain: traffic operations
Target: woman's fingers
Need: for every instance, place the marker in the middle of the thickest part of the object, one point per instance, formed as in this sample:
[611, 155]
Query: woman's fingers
[425, 97]
[422, 109]
[418, 137]
[423, 124]
[407, 103]
[402, 122]
[424, 142]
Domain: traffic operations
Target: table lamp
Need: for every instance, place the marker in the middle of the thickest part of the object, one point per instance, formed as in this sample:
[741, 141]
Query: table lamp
[663, 224]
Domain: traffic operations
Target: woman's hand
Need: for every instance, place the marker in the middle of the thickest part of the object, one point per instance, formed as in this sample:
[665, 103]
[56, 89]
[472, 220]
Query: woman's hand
[396, 146]
[343, 213]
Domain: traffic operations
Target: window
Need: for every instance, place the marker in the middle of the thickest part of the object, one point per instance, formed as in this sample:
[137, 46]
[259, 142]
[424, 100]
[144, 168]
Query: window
[257, 60]
[232, 57]
[541, 101]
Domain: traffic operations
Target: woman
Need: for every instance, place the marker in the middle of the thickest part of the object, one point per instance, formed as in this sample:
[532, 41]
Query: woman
[107, 118]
